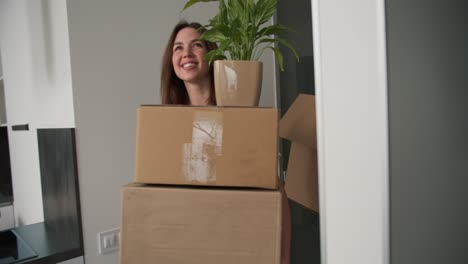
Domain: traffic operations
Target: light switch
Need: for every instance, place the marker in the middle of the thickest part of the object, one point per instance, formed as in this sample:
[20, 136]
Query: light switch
[108, 241]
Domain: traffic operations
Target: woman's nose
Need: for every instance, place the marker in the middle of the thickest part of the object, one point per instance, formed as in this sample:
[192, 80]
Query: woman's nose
[187, 52]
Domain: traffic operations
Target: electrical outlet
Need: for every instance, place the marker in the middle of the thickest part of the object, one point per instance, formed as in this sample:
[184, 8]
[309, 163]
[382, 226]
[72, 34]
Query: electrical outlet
[109, 241]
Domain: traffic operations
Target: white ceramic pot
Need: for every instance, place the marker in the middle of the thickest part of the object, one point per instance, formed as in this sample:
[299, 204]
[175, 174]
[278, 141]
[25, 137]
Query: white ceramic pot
[237, 83]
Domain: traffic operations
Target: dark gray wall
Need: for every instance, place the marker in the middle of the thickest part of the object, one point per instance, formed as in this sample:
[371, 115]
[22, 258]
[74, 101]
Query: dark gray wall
[427, 45]
[298, 77]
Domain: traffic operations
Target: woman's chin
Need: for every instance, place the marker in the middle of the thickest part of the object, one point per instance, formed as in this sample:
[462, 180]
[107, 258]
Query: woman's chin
[189, 77]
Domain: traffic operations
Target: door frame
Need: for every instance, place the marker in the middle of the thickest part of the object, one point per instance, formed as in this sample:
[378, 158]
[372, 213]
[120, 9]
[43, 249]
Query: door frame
[352, 130]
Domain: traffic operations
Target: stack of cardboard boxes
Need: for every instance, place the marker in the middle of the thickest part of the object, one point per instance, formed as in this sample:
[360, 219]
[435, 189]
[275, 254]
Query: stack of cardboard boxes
[205, 186]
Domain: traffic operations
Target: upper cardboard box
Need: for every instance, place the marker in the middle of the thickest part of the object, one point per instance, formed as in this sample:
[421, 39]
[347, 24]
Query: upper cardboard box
[215, 146]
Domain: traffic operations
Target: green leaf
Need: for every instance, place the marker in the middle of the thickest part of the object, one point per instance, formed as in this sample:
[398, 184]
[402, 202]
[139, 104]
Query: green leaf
[224, 45]
[236, 33]
[213, 35]
[217, 54]
[279, 57]
[265, 9]
[281, 41]
[287, 44]
[271, 30]
[214, 55]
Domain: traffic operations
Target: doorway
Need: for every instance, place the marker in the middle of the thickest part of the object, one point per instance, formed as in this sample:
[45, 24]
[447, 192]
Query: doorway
[297, 78]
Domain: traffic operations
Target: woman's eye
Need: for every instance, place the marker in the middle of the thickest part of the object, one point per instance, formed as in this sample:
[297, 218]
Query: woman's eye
[177, 48]
[198, 44]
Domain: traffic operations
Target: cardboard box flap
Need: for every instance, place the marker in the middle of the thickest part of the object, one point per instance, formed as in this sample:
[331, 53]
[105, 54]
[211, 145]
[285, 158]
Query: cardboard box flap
[299, 126]
[299, 122]
[301, 179]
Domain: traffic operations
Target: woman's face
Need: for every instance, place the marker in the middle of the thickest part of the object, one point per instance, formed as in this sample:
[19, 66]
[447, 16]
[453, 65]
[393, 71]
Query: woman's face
[188, 56]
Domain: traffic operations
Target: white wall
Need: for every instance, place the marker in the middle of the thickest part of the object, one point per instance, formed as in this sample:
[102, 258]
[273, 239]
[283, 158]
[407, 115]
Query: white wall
[116, 49]
[2, 92]
[1, 67]
[36, 70]
[3, 118]
[350, 64]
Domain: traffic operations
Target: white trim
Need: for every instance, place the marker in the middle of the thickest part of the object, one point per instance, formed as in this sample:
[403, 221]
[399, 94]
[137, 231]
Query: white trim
[320, 125]
[352, 130]
[383, 80]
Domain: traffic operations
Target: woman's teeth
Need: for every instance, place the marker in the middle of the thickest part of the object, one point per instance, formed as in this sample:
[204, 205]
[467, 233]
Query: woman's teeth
[188, 65]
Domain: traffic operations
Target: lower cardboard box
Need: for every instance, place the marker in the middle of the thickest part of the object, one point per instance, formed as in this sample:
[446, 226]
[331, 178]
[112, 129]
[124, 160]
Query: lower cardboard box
[176, 224]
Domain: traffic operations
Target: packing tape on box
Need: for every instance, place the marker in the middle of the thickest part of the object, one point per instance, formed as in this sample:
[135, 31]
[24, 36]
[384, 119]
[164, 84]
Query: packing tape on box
[200, 155]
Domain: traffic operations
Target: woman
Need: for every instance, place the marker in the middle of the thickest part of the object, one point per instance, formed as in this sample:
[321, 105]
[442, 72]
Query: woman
[187, 79]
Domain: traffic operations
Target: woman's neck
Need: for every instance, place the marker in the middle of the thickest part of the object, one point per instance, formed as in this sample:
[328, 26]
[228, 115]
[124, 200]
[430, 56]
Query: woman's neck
[199, 93]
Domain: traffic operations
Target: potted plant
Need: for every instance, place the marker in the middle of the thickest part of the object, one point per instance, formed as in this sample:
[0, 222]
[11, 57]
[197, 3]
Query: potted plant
[241, 34]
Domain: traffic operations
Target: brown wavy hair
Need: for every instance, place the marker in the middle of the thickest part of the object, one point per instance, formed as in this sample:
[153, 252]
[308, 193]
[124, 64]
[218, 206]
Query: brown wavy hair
[173, 89]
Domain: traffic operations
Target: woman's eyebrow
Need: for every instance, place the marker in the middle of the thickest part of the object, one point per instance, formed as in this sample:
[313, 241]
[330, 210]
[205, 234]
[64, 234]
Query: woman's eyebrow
[192, 41]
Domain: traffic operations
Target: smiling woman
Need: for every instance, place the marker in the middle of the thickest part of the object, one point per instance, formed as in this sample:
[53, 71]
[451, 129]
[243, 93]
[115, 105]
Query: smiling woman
[186, 78]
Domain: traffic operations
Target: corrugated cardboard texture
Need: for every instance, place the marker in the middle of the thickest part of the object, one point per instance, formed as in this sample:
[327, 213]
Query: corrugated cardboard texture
[299, 122]
[179, 225]
[299, 126]
[214, 146]
[301, 181]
